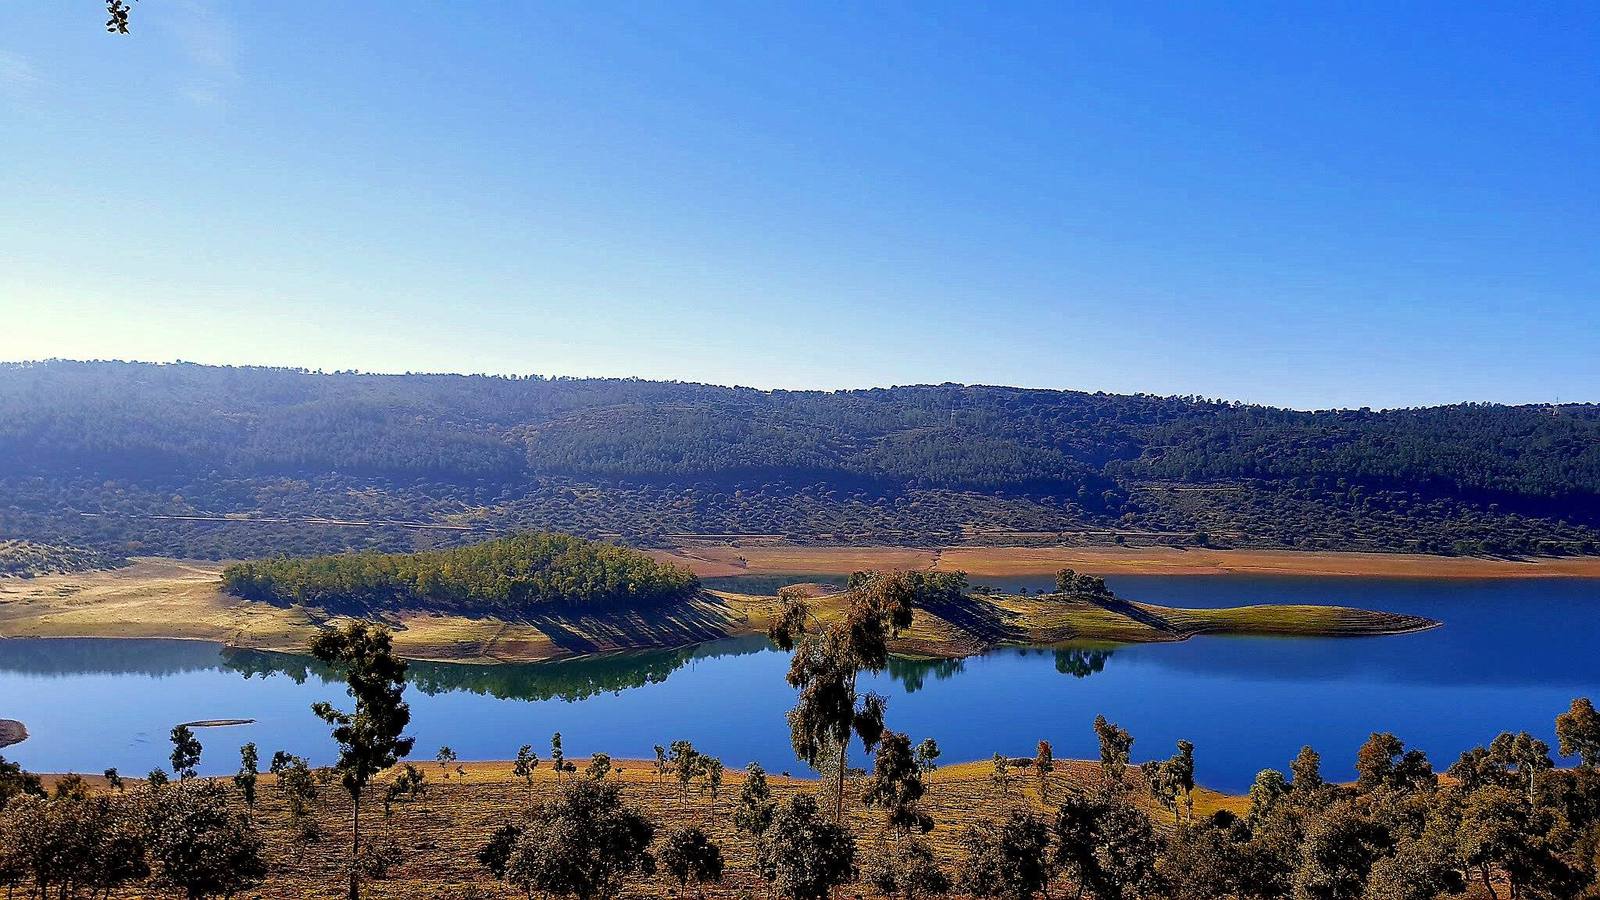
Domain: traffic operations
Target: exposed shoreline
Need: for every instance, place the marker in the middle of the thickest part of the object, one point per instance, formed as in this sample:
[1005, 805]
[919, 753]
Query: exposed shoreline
[720, 560]
[12, 732]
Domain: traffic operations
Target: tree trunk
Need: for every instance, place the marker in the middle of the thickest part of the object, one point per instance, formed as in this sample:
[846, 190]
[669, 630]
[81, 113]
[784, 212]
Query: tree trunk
[1483, 871]
[355, 845]
[844, 760]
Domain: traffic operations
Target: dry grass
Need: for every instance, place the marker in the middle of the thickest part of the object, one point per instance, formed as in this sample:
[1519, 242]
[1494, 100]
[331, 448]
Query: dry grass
[438, 834]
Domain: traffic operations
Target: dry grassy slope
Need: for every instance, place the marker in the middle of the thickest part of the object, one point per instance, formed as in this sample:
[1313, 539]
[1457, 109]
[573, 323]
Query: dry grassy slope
[165, 598]
[438, 834]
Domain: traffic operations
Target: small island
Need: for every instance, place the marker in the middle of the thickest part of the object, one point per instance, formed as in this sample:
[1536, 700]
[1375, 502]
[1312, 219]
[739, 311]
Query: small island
[12, 732]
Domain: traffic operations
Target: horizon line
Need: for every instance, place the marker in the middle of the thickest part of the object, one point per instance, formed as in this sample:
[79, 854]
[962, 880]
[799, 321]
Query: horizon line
[519, 376]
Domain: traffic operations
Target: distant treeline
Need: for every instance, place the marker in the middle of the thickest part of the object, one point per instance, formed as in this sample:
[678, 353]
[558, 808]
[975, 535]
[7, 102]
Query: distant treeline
[510, 575]
[96, 453]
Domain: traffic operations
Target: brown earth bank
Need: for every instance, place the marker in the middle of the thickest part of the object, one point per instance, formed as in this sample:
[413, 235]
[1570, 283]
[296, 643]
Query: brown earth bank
[158, 598]
[715, 560]
[12, 732]
[437, 835]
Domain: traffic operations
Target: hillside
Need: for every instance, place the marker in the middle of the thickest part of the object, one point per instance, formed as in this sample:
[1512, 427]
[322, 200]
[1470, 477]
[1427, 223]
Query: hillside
[171, 460]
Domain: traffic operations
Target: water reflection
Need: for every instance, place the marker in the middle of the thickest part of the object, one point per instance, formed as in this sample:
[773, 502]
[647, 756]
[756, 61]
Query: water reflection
[569, 680]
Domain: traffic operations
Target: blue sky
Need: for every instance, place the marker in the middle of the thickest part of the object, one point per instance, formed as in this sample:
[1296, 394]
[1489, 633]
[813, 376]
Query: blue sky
[1314, 205]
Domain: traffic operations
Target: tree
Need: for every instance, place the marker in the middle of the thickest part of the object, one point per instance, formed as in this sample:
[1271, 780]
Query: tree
[1171, 782]
[1511, 760]
[661, 763]
[558, 757]
[1269, 787]
[495, 854]
[526, 762]
[1306, 771]
[754, 810]
[582, 844]
[1107, 845]
[370, 736]
[686, 764]
[1044, 762]
[185, 752]
[1070, 582]
[200, 846]
[827, 662]
[117, 12]
[113, 780]
[1578, 732]
[1116, 746]
[73, 842]
[1384, 762]
[1007, 861]
[16, 781]
[1203, 861]
[1340, 846]
[712, 768]
[1000, 775]
[157, 778]
[599, 766]
[691, 858]
[896, 786]
[928, 756]
[298, 788]
[804, 856]
[408, 784]
[446, 757]
[905, 869]
[249, 772]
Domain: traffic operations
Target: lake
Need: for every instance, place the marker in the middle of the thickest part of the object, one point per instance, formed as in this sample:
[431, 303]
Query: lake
[1511, 655]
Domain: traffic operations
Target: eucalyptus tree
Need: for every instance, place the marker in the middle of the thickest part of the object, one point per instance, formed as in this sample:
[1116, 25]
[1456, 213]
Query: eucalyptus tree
[249, 773]
[1044, 762]
[370, 736]
[830, 655]
[896, 787]
[524, 765]
[1116, 746]
[754, 809]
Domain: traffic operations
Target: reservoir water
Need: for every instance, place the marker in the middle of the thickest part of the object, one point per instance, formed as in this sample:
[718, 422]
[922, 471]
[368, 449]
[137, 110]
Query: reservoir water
[1511, 655]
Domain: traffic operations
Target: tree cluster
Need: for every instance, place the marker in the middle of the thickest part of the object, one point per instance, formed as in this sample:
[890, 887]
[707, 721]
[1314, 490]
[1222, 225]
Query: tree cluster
[508, 575]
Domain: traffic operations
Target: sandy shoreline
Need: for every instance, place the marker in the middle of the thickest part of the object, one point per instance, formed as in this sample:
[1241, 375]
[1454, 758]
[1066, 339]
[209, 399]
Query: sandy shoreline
[776, 559]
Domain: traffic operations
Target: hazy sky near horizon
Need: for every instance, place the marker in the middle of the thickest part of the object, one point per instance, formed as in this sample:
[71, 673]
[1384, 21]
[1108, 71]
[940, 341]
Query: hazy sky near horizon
[1333, 204]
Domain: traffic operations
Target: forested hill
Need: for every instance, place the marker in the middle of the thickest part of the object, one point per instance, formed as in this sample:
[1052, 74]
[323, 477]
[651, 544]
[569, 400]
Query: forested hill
[137, 458]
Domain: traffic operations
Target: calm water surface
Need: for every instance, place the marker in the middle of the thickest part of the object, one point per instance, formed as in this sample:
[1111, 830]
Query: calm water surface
[1511, 655]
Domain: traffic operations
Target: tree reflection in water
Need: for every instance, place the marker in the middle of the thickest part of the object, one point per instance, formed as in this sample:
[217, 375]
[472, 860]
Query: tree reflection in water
[569, 680]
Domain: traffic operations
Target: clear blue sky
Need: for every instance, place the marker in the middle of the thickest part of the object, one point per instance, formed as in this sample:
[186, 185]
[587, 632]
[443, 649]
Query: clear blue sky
[1337, 204]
